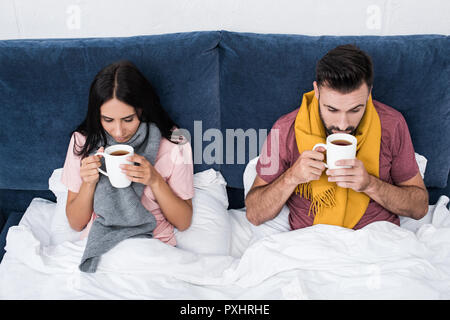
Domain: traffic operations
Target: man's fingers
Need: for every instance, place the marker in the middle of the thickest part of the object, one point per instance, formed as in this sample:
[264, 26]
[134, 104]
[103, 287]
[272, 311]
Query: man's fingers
[317, 164]
[341, 172]
[341, 179]
[347, 162]
[320, 149]
[315, 155]
[344, 185]
[316, 172]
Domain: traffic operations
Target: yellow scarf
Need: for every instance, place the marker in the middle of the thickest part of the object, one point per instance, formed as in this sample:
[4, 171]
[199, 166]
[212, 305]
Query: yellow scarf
[329, 203]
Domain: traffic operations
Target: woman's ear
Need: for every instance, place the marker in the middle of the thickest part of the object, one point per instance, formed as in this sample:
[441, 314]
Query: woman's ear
[139, 113]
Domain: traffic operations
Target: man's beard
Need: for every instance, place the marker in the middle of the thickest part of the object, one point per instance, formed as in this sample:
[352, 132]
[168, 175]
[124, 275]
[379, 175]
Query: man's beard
[329, 130]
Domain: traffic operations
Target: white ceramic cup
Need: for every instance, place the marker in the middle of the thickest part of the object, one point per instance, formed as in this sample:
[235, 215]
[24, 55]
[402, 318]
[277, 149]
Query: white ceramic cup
[117, 178]
[338, 152]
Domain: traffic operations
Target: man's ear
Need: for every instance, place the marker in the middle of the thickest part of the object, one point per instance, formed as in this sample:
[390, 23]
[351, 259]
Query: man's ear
[316, 90]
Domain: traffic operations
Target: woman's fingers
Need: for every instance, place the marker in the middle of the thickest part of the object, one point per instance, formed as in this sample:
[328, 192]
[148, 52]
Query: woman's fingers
[89, 160]
[133, 171]
[135, 174]
[140, 172]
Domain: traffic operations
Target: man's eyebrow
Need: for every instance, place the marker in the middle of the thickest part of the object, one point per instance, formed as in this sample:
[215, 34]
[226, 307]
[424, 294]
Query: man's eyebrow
[106, 117]
[359, 105]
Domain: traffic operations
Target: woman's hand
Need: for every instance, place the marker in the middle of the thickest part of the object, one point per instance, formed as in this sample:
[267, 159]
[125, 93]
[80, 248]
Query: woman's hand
[176, 210]
[89, 168]
[144, 173]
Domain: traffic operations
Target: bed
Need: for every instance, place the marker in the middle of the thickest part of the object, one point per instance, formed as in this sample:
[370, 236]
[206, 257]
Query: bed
[211, 83]
[223, 256]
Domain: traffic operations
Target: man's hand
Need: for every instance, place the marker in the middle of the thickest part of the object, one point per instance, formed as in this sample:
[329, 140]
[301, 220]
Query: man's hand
[356, 177]
[309, 166]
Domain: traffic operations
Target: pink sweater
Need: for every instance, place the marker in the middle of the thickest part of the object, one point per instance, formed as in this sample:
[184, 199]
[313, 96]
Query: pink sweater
[174, 164]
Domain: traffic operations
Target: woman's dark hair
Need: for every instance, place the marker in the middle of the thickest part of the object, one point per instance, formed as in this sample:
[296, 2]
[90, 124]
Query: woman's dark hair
[344, 69]
[123, 81]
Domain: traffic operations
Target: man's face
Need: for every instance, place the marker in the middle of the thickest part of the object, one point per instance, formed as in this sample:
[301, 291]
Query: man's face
[341, 113]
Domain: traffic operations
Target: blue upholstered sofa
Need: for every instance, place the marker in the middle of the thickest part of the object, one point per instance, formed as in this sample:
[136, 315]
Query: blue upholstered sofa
[224, 79]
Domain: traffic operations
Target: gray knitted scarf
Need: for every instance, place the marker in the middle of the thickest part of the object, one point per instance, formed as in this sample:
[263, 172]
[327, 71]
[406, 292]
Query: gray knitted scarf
[120, 212]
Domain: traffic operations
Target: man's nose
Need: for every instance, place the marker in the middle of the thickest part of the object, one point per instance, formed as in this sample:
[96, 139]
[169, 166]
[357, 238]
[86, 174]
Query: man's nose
[343, 123]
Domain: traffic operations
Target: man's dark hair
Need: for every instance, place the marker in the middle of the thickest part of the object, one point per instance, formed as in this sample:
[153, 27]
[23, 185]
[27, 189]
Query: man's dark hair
[344, 69]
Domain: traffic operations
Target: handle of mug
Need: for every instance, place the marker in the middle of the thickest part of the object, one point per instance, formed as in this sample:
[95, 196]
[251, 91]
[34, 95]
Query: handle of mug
[323, 146]
[100, 170]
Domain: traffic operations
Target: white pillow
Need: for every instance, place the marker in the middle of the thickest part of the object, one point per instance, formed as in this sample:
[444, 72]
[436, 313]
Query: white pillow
[422, 163]
[60, 229]
[278, 224]
[281, 222]
[241, 232]
[412, 224]
[210, 229]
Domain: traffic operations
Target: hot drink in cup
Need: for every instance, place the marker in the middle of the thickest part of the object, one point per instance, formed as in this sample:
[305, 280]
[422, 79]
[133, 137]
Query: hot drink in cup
[339, 146]
[114, 157]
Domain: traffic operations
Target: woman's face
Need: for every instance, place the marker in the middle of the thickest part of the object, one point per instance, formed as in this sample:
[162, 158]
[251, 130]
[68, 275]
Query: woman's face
[119, 120]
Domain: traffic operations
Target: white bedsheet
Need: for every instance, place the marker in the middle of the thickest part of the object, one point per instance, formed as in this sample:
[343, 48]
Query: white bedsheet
[380, 261]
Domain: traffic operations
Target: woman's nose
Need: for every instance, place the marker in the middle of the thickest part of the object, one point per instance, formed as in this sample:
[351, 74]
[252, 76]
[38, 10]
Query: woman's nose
[118, 130]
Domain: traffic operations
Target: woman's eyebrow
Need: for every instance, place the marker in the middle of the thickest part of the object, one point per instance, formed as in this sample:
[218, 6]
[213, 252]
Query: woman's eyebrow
[106, 117]
[131, 115]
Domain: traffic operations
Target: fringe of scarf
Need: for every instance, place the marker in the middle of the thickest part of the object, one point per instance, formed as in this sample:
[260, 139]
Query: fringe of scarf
[325, 199]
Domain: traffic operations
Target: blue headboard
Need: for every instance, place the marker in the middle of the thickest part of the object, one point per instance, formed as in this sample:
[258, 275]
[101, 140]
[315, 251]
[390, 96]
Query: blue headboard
[227, 80]
[264, 76]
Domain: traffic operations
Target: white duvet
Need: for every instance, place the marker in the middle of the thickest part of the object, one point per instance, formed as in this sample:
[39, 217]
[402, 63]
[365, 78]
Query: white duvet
[380, 261]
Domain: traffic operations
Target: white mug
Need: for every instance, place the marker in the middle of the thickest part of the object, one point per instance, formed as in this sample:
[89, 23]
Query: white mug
[117, 178]
[337, 152]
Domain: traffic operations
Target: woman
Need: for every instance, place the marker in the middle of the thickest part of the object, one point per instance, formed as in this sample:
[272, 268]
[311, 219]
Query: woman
[120, 99]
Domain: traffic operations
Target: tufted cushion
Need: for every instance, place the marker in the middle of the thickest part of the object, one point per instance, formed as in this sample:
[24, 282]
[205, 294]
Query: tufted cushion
[228, 80]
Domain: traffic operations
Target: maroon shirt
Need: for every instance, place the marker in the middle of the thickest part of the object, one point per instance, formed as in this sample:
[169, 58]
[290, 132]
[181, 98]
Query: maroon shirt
[397, 163]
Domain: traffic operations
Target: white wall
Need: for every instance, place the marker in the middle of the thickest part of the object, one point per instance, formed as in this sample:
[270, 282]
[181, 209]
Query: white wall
[103, 18]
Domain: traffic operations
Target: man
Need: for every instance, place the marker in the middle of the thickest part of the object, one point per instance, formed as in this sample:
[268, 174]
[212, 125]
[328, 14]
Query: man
[383, 181]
